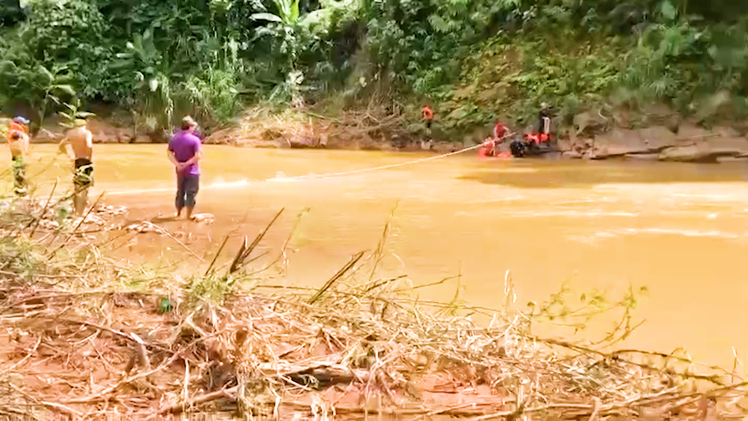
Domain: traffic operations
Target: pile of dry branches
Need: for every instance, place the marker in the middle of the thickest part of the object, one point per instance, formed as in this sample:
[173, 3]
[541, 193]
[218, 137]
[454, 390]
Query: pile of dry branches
[372, 128]
[76, 343]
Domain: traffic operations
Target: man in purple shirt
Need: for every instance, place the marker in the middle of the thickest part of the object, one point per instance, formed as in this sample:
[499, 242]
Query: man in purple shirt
[184, 153]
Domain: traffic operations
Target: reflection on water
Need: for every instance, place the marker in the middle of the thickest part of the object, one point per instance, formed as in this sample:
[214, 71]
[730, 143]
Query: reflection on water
[678, 229]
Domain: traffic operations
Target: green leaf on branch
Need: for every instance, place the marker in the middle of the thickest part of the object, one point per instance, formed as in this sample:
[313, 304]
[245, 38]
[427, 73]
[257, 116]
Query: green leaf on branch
[66, 89]
[47, 74]
[266, 16]
[668, 11]
[294, 15]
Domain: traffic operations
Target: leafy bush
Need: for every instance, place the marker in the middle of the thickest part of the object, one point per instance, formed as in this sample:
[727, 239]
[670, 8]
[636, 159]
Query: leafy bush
[473, 60]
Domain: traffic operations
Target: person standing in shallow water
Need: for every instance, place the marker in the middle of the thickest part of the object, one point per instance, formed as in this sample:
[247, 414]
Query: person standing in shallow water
[80, 140]
[184, 153]
[18, 143]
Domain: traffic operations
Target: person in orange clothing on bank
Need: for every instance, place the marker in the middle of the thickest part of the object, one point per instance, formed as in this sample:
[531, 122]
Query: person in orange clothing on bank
[428, 119]
[18, 143]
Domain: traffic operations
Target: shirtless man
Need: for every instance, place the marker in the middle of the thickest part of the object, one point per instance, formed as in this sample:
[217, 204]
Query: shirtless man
[18, 143]
[80, 140]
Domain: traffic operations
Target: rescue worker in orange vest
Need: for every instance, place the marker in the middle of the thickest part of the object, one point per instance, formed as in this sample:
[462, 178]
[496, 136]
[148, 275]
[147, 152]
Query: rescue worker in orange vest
[491, 145]
[18, 143]
[428, 118]
[499, 131]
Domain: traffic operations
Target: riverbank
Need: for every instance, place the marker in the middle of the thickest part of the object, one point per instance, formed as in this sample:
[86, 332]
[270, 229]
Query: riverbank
[591, 137]
[114, 338]
[597, 224]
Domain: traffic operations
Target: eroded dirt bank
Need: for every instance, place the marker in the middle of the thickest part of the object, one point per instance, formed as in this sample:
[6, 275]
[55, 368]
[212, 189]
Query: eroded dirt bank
[590, 137]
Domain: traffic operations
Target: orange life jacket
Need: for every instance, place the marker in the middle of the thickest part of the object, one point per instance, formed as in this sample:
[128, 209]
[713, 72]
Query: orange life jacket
[499, 130]
[487, 149]
[13, 128]
[428, 113]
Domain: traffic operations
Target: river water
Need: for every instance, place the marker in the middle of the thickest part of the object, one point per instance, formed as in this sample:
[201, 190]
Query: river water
[681, 230]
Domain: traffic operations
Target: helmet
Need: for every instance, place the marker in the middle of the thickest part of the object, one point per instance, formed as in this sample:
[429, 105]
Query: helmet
[21, 120]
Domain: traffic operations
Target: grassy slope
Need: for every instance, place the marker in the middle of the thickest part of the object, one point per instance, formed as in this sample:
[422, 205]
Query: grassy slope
[508, 78]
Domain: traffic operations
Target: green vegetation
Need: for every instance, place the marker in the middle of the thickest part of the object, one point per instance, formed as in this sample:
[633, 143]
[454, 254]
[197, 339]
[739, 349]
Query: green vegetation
[472, 60]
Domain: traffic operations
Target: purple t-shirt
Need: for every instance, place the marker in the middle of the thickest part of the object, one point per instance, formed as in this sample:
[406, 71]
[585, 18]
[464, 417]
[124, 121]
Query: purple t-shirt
[185, 144]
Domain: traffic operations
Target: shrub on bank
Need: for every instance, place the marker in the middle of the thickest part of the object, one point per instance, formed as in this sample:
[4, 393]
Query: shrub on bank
[474, 61]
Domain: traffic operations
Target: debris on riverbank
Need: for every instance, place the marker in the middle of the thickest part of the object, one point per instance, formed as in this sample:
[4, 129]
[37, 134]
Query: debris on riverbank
[53, 217]
[374, 128]
[586, 139]
[88, 337]
[591, 136]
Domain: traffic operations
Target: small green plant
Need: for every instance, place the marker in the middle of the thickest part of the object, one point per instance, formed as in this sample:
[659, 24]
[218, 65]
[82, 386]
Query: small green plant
[562, 309]
[56, 84]
[62, 213]
[21, 256]
[72, 112]
[164, 305]
[210, 288]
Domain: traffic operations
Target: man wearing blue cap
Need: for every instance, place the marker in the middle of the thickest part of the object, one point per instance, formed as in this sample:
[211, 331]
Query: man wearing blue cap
[18, 143]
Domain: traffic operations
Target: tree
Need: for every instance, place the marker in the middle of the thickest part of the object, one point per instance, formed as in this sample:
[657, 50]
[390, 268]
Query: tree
[10, 13]
[285, 27]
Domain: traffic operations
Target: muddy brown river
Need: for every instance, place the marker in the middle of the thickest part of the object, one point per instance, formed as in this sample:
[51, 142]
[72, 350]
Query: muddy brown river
[681, 230]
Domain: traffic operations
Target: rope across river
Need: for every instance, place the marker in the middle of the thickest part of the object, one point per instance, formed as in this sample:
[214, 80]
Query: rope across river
[242, 183]
[383, 167]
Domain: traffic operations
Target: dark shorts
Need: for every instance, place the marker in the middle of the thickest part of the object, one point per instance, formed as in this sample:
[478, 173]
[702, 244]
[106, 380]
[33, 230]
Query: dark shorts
[83, 177]
[187, 187]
